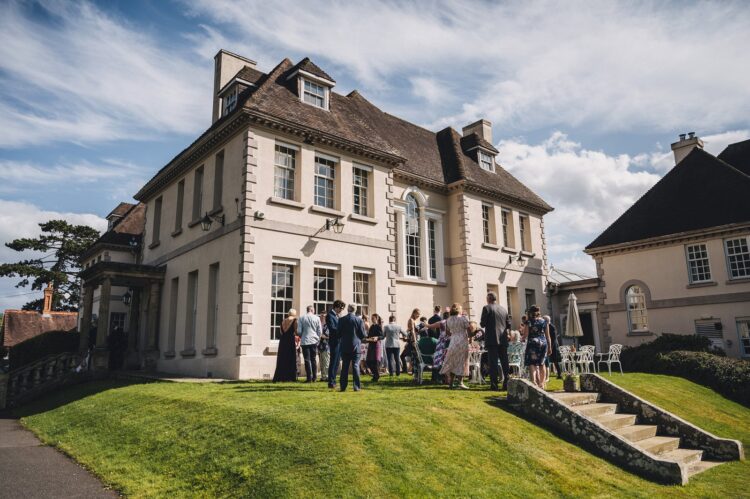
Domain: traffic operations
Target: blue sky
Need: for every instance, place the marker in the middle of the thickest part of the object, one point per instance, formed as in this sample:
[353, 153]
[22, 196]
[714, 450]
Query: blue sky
[584, 97]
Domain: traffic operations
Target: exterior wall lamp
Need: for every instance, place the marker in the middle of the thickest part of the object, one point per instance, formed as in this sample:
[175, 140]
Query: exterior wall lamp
[517, 258]
[208, 219]
[335, 224]
[126, 298]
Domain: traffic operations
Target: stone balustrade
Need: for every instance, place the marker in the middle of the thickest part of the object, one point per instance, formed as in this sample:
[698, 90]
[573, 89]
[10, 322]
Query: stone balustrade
[32, 380]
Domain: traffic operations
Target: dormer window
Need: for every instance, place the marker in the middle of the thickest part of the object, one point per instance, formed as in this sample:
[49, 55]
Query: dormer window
[314, 94]
[486, 161]
[230, 102]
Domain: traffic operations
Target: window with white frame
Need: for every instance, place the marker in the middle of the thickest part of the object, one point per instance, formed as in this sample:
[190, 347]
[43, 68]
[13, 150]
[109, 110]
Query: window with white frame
[282, 295]
[361, 293]
[314, 94]
[284, 170]
[743, 332]
[635, 300]
[360, 186]
[325, 181]
[230, 101]
[697, 259]
[432, 241]
[523, 229]
[486, 161]
[738, 257]
[487, 222]
[413, 239]
[505, 218]
[324, 283]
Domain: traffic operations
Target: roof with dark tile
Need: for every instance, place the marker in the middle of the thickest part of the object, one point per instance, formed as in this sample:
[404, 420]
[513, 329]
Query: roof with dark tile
[354, 119]
[120, 210]
[21, 325]
[473, 140]
[310, 67]
[249, 74]
[129, 226]
[701, 192]
[738, 155]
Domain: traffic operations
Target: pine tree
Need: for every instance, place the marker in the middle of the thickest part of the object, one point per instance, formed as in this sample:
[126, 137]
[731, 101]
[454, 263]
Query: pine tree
[62, 245]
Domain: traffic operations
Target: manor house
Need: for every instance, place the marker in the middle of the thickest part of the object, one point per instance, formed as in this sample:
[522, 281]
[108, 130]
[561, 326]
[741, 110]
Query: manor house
[294, 196]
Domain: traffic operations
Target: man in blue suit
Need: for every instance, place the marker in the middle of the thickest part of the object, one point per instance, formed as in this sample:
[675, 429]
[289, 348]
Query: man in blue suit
[351, 332]
[332, 320]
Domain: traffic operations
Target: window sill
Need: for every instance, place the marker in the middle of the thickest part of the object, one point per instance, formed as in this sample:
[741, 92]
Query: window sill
[190, 352]
[529, 254]
[640, 333]
[194, 222]
[169, 355]
[216, 211]
[210, 352]
[286, 202]
[739, 280]
[154, 244]
[273, 348]
[702, 284]
[420, 282]
[507, 249]
[326, 211]
[361, 218]
[491, 246]
[177, 232]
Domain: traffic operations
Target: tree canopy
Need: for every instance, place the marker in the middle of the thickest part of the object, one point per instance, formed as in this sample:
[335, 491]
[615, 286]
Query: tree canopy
[61, 245]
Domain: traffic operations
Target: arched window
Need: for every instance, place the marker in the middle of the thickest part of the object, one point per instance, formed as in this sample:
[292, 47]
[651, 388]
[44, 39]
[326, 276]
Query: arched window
[635, 299]
[413, 238]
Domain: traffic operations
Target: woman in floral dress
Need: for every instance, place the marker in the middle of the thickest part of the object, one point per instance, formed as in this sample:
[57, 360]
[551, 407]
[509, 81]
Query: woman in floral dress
[456, 363]
[538, 346]
[442, 346]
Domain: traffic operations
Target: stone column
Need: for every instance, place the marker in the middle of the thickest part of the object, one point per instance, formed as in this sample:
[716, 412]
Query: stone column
[101, 352]
[88, 304]
[150, 348]
[132, 359]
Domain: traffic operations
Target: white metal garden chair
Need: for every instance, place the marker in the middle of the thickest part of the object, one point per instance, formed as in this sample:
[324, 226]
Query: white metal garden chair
[586, 358]
[515, 358]
[475, 366]
[567, 362]
[612, 357]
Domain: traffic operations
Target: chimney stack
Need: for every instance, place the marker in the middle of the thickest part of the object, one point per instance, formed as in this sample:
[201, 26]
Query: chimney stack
[47, 306]
[686, 144]
[483, 128]
[226, 65]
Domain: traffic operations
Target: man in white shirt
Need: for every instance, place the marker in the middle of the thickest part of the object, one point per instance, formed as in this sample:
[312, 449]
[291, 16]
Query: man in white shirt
[309, 331]
[393, 333]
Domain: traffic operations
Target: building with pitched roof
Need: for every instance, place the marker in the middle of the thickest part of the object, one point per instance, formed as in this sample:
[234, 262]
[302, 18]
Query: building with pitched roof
[297, 195]
[678, 260]
[21, 325]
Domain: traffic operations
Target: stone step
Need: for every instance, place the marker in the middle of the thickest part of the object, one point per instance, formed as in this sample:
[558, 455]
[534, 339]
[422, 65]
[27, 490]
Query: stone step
[658, 445]
[684, 456]
[615, 421]
[596, 409]
[637, 432]
[701, 466]
[576, 398]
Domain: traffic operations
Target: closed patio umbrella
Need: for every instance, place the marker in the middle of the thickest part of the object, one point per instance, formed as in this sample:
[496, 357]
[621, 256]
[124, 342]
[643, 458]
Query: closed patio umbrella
[573, 327]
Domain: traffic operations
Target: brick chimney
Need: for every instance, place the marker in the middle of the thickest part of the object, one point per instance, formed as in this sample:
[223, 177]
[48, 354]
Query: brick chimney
[483, 128]
[686, 144]
[226, 65]
[47, 307]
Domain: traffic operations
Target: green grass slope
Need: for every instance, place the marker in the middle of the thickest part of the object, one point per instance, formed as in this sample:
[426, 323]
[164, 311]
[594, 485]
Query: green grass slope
[390, 440]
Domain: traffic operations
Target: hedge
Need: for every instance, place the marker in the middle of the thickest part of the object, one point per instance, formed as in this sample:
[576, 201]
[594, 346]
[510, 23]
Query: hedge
[729, 377]
[45, 344]
[691, 357]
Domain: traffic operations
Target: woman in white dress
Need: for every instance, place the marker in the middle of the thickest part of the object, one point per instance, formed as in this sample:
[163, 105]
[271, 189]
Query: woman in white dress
[456, 363]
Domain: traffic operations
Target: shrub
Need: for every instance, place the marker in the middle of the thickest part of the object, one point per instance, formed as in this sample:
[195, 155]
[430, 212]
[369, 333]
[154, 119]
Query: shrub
[729, 377]
[643, 357]
[38, 347]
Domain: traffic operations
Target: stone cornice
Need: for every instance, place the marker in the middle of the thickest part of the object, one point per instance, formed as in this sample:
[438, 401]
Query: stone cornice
[670, 239]
[516, 202]
[420, 181]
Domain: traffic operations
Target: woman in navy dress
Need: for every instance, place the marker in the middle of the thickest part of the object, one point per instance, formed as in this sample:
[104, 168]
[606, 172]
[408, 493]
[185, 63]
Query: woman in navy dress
[286, 357]
[538, 346]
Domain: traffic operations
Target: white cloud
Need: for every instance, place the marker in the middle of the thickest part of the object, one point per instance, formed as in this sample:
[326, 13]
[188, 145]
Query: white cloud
[84, 76]
[15, 174]
[18, 219]
[612, 66]
[716, 143]
[589, 190]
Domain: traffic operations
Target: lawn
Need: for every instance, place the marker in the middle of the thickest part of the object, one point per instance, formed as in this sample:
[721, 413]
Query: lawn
[392, 439]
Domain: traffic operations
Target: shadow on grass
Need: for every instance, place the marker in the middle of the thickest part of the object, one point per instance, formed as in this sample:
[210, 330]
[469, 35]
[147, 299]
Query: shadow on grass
[300, 386]
[67, 395]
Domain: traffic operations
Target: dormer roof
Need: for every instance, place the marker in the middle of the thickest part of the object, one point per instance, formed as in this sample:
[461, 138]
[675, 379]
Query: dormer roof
[309, 67]
[474, 141]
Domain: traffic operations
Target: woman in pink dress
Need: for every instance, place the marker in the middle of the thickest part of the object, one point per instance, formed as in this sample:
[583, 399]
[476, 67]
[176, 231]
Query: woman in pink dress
[456, 363]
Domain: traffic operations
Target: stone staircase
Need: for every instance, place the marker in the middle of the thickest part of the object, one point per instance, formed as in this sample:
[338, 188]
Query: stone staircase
[643, 436]
[625, 429]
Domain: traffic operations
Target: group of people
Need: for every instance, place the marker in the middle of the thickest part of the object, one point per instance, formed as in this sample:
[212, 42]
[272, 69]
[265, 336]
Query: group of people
[348, 341]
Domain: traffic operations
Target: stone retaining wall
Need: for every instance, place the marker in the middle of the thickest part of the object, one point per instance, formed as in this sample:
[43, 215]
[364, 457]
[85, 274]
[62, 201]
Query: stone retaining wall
[713, 447]
[538, 405]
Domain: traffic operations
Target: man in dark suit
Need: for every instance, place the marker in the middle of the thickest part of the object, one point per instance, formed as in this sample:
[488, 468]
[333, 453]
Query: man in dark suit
[332, 320]
[494, 319]
[351, 332]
